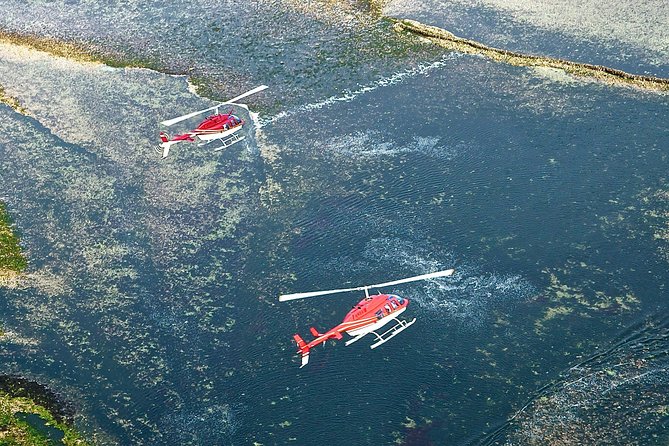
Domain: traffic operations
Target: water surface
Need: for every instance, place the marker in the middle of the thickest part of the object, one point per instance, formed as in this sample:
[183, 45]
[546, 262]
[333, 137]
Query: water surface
[152, 300]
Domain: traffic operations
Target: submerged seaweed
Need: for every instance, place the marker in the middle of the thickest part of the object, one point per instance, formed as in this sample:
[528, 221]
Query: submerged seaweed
[153, 291]
[617, 396]
[12, 260]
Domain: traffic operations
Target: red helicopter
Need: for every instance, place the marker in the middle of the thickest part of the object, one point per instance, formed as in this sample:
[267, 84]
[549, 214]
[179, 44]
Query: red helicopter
[367, 316]
[221, 127]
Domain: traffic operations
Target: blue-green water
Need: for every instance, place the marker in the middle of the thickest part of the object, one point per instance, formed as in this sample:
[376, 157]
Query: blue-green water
[153, 300]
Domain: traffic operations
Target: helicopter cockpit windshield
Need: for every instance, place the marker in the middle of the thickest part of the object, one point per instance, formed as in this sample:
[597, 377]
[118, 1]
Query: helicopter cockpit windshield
[397, 298]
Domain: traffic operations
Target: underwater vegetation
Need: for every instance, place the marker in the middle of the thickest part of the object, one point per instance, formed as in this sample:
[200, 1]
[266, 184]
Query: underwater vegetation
[658, 217]
[9, 100]
[617, 396]
[12, 261]
[74, 51]
[53, 46]
[335, 41]
[97, 242]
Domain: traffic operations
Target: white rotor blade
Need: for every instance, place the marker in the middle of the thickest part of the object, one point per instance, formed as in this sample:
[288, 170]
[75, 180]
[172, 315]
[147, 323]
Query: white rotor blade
[444, 273]
[285, 297]
[173, 121]
[248, 93]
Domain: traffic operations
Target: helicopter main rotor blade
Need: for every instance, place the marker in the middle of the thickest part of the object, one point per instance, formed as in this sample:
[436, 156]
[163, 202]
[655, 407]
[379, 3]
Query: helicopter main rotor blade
[173, 121]
[248, 93]
[444, 273]
[285, 297]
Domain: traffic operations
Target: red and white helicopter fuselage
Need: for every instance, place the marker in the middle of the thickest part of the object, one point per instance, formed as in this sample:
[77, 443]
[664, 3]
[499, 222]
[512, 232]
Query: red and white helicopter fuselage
[368, 316]
[221, 127]
[214, 127]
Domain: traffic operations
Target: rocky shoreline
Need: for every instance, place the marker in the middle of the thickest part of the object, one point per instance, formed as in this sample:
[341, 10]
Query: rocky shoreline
[450, 41]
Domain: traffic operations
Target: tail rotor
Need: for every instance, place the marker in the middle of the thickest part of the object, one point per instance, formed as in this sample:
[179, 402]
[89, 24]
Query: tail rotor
[303, 349]
[166, 143]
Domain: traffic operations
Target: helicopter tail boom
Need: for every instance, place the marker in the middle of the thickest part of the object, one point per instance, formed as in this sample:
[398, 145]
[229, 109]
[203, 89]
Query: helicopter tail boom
[166, 142]
[320, 338]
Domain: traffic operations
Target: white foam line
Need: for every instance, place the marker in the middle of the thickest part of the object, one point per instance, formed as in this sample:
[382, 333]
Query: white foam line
[348, 96]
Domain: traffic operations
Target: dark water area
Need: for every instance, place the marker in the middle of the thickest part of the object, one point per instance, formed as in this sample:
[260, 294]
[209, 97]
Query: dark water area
[486, 180]
[152, 301]
[23, 388]
[53, 435]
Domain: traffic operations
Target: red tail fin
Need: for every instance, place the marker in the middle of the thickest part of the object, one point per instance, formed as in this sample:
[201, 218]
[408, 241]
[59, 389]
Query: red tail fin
[164, 137]
[304, 349]
[315, 332]
[301, 344]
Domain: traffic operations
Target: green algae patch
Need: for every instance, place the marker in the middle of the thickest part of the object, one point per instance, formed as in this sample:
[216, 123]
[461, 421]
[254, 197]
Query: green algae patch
[409, 423]
[580, 300]
[23, 422]
[550, 314]
[12, 261]
[78, 52]
[452, 42]
[11, 101]
[51, 46]
[656, 212]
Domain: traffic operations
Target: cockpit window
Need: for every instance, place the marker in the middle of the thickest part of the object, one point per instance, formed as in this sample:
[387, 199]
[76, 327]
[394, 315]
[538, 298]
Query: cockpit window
[400, 300]
[393, 303]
